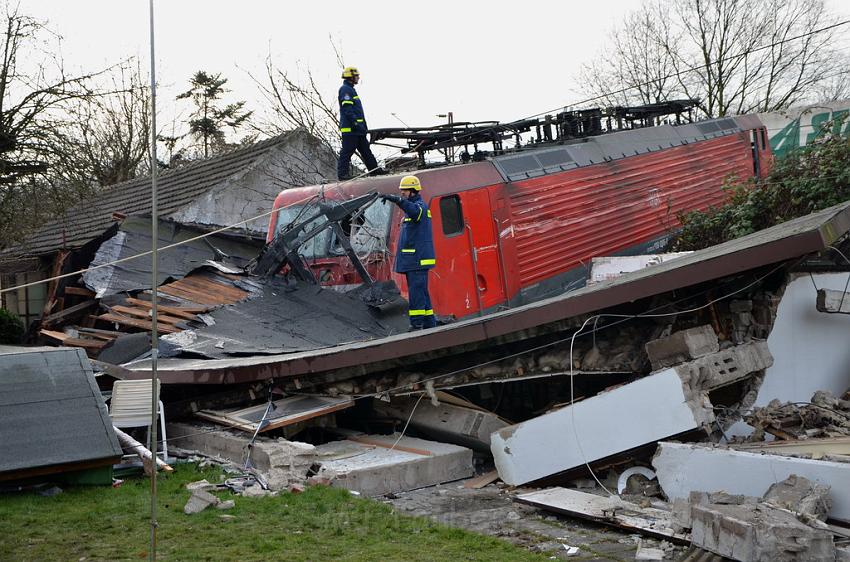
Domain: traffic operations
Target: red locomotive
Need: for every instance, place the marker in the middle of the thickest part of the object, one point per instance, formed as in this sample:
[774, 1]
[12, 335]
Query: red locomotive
[523, 225]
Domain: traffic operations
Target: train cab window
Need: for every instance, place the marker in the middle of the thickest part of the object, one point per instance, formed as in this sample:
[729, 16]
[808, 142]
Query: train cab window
[367, 231]
[763, 135]
[452, 215]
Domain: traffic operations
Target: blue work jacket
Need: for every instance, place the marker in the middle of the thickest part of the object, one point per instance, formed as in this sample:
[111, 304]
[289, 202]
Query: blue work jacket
[352, 120]
[416, 242]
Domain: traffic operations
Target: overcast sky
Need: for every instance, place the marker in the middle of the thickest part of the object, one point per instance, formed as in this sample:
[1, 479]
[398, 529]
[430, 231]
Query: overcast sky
[492, 60]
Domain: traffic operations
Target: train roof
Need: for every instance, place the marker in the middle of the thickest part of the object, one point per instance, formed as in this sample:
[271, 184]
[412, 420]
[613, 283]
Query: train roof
[539, 160]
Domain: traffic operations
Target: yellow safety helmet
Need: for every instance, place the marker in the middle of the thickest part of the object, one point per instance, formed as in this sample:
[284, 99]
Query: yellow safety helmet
[350, 72]
[410, 182]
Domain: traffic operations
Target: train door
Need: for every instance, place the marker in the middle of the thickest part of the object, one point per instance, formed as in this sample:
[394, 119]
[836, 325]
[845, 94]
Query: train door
[469, 274]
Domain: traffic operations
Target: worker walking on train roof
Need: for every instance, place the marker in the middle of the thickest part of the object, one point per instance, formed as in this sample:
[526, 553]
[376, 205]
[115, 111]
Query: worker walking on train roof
[415, 254]
[352, 126]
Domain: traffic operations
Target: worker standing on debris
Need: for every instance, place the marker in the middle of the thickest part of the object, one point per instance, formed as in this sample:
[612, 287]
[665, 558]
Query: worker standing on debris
[352, 126]
[415, 254]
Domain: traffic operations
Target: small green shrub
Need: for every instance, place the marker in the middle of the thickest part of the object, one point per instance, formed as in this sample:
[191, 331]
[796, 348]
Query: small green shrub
[802, 182]
[11, 328]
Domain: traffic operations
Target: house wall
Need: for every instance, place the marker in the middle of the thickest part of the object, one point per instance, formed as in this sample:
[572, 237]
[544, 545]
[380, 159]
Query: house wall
[27, 302]
[810, 348]
[300, 161]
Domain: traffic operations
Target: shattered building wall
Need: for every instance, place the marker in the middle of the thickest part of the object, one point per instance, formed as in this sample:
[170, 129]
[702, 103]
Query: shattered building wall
[301, 160]
[809, 347]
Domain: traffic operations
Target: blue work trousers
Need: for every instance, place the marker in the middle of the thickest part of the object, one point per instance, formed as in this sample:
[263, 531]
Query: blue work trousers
[351, 143]
[421, 314]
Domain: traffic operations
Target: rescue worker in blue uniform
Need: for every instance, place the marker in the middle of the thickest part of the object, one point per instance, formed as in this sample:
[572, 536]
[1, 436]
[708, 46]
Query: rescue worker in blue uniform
[415, 254]
[352, 126]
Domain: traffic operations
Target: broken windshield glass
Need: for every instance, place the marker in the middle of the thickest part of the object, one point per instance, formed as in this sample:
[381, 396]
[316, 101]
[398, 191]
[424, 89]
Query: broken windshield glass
[368, 231]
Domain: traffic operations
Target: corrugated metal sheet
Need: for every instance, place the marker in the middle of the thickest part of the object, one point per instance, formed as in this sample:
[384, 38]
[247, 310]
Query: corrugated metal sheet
[561, 220]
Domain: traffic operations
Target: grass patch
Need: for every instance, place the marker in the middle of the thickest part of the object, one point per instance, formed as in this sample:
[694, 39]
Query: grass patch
[320, 524]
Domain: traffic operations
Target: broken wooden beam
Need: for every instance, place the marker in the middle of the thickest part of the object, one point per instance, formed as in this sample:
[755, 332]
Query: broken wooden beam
[145, 314]
[72, 341]
[482, 480]
[68, 312]
[78, 291]
[138, 323]
[185, 312]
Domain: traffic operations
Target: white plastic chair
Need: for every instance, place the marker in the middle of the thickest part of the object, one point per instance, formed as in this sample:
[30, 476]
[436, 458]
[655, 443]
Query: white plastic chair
[130, 406]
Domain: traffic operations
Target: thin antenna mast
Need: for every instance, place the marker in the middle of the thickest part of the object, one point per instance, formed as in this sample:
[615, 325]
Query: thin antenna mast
[154, 297]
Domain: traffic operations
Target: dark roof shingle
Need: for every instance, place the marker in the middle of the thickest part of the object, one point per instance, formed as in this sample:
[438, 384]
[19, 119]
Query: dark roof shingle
[175, 188]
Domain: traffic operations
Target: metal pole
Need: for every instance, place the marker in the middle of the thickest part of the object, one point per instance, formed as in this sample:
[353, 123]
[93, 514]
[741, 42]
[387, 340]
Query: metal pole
[154, 298]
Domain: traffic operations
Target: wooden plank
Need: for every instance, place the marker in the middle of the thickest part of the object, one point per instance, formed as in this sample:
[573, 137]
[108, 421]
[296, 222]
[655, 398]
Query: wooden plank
[201, 298]
[219, 291]
[68, 312]
[57, 468]
[816, 447]
[138, 323]
[108, 335]
[78, 291]
[180, 312]
[73, 342]
[51, 300]
[209, 285]
[482, 480]
[171, 302]
[238, 420]
[608, 510]
[140, 313]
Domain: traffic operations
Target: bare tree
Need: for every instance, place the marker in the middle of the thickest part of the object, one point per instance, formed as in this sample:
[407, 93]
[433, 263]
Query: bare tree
[733, 56]
[33, 89]
[104, 139]
[637, 66]
[295, 101]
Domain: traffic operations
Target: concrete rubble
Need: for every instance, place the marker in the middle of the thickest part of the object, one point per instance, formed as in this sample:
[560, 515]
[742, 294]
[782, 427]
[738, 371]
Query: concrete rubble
[668, 402]
[800, 495]
[397, 464]
[681, 346]
[824, 416]
[452, 423]
[280, 461]
[751, 528]
[685, 468]
[199, 501]
[758, 532]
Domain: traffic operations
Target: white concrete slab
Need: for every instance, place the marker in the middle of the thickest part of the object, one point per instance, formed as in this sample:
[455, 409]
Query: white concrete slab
[611, 267]
[685, 468]
[655, 407]
[374, 471]
[607, 510]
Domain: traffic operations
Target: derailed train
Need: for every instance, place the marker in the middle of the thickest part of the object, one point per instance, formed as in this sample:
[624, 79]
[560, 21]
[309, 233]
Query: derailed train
[522, 226]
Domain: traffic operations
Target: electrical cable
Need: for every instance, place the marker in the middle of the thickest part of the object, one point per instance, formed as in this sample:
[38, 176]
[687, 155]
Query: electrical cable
[412, 411]
[338, 185]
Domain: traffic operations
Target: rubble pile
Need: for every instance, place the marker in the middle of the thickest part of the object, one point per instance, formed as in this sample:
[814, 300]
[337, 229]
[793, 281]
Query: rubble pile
[824, 416]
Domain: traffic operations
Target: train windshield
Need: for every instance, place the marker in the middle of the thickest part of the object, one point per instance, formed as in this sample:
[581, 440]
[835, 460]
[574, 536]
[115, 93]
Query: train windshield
[367, 231]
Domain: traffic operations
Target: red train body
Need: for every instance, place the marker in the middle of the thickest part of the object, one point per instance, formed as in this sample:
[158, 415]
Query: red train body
[523, 226]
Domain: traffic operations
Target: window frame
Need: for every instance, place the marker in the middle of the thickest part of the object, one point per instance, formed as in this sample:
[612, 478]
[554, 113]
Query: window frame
[462, 224]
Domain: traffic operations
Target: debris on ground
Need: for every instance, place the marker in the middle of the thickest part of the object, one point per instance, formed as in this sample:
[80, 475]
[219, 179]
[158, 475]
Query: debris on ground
[824, 416]
[199, 501]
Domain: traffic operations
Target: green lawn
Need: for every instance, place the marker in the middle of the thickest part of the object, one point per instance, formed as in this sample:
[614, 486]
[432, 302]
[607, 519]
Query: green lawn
[100, 523]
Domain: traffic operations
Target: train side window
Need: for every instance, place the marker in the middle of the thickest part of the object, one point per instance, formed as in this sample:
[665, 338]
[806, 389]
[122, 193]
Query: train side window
[452, 215]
